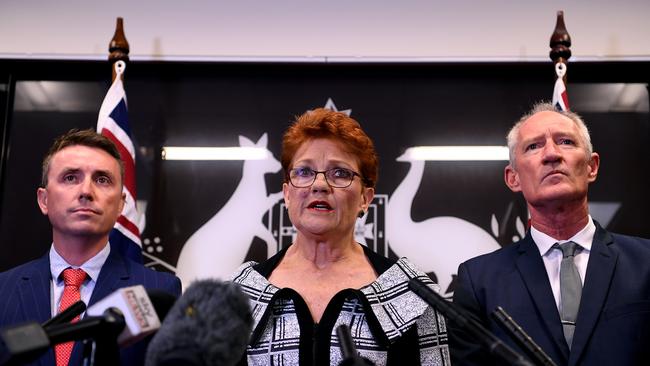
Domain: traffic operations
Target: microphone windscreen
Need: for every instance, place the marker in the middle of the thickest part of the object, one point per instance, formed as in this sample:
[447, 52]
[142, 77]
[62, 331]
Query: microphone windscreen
[209, 325]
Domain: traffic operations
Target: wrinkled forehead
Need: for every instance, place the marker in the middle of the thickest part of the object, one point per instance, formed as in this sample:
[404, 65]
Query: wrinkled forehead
[86, 158]
[325, 149]
[545, 122]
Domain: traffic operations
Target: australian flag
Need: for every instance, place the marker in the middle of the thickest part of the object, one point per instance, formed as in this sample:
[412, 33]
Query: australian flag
[560, 97]
[113, 123]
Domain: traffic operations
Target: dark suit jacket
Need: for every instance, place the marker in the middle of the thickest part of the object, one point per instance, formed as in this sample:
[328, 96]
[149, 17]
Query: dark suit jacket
[613, 324]
[25, 296]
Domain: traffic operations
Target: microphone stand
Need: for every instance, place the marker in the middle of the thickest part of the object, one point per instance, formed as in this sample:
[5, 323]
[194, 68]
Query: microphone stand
[348, 350]
[491, 342]
[66, 315]
[104, 350]
[102, 331]
[534, 351]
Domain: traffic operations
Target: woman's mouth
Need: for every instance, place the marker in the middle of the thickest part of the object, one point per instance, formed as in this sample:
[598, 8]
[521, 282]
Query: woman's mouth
[320, 206]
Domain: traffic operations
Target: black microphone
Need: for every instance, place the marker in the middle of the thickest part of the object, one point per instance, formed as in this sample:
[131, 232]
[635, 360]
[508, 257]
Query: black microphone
[24, 343]
[526, 342]
[493, 344]
[66, 315]
[162, 302]
[348, 350]
[27, 341]
[121, 318]
[209, 325]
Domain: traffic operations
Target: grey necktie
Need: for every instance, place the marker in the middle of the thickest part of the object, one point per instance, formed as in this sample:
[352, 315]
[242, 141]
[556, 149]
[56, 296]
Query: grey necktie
[570, 289]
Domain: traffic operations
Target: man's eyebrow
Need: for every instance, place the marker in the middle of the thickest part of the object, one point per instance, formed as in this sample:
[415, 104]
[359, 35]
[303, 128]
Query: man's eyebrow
[69, 170]
[527, 140]
[103, 172]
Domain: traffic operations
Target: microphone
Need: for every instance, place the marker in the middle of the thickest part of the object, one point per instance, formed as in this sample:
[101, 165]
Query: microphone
[209, 325]
[138, 311]
[162, 302]
[27, 341]
[24, 343]
[493, 344]
[348, 350]
[534, 351]
[123, 317]
[30, 339]
[66, 315]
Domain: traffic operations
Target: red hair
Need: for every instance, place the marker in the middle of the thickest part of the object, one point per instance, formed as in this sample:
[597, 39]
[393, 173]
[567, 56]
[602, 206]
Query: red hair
[337, 126]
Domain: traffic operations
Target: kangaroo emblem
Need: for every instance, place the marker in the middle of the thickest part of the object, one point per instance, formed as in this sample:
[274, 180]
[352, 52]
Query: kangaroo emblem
[438, 244]
[218, 247]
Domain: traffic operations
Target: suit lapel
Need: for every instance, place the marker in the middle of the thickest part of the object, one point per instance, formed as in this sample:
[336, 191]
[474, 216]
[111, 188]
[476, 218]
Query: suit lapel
[35, 295]
[113, 276]
[530, 265]
[35, 291]
[600, 270]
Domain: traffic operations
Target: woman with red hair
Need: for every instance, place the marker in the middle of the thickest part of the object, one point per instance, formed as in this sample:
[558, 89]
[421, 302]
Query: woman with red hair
[325, 278]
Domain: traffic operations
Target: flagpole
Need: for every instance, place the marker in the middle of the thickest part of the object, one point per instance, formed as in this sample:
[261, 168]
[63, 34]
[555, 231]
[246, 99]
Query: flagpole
[560, 43]
[113, 122]
[560, 54]
[118, 48]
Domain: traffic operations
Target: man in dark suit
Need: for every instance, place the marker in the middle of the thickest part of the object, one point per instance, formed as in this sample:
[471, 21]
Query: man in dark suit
[588, 307]
[81, 194]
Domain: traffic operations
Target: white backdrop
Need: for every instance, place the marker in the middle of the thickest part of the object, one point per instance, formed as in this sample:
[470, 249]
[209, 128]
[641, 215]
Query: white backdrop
[432, 29]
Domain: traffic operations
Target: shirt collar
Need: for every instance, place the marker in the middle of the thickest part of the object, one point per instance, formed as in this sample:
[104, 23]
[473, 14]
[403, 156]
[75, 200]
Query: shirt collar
[583, 238]
[92, 267]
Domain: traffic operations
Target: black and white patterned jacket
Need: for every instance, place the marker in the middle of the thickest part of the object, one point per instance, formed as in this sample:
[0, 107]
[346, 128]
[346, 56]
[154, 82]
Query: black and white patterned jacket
[390, 325]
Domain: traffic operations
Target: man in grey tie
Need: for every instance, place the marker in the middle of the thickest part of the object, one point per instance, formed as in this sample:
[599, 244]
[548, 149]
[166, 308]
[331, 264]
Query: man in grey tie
[581, 292]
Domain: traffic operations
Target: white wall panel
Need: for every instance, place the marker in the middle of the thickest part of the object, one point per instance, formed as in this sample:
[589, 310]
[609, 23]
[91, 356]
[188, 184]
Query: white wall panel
[514, 30]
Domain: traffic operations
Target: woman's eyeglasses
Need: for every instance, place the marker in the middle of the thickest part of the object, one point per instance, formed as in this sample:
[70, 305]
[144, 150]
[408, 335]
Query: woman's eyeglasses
[304, 177]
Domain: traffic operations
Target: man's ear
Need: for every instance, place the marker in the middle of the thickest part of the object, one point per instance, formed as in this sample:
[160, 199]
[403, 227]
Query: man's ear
[511, 178]
[41, 199]
[593, 165]
[122, 203]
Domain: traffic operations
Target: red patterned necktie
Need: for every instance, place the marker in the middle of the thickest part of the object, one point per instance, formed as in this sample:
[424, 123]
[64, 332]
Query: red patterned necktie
[73, 279]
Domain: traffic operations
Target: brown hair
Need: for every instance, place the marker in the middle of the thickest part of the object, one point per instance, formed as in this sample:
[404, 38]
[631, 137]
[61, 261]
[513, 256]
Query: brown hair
[337, 126]
[75, 137]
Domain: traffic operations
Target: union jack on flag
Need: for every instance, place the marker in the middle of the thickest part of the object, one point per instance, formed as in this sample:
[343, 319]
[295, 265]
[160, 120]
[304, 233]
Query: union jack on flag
[560, 96]
[113, 123]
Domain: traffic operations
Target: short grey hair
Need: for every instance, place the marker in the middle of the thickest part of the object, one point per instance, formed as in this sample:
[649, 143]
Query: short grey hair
[513, 134]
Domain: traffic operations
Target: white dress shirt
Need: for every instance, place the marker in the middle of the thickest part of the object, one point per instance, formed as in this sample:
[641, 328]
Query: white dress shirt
[553, 257]
[92, 267]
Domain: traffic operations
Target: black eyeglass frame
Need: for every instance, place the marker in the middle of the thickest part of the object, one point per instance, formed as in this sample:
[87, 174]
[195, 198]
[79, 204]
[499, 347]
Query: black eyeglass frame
[324, 172]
